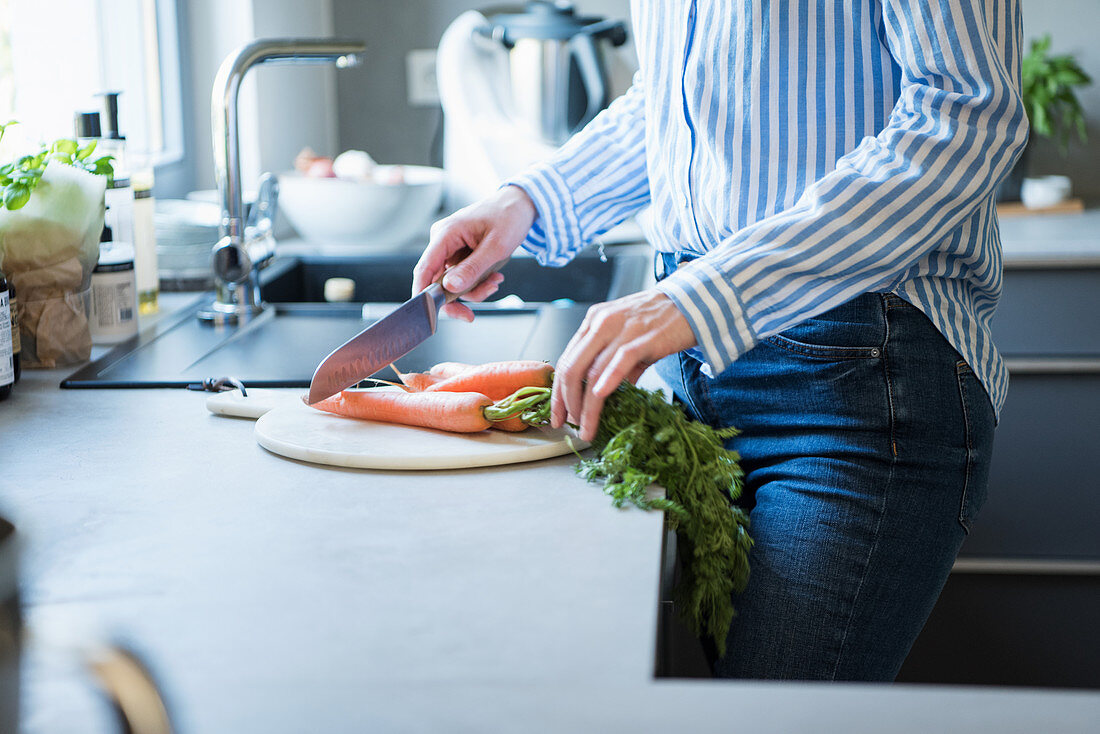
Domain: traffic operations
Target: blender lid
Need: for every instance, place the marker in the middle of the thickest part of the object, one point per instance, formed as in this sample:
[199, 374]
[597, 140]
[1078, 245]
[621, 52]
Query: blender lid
[542, 20]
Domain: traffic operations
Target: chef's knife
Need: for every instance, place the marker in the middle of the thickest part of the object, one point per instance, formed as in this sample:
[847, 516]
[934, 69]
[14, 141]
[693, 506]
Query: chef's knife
[384, 341]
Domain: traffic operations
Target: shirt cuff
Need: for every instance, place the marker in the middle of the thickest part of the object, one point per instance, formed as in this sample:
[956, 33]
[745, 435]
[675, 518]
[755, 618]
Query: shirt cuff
[555, 236]
[712, 307]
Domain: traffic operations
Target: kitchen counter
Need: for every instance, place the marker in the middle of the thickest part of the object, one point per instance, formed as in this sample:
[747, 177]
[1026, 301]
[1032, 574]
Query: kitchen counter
[277, 596]
[1057, 240]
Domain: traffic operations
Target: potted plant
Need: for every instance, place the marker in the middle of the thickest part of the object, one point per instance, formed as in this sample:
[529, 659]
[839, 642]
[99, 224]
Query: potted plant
[51, 217]
[1048, 86]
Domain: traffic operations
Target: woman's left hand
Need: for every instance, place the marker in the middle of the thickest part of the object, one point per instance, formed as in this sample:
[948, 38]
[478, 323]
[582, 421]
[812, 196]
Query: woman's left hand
[617, 341]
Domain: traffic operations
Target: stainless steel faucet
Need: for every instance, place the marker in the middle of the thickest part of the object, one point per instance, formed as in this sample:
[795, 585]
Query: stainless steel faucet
[239, 255]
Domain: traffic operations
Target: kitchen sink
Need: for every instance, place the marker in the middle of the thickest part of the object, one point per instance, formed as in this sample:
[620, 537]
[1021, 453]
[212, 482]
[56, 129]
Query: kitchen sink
[388, 278]
[283, 346]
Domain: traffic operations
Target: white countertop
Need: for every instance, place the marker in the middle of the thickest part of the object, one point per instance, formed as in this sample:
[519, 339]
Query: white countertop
[1051, 239]
[277, 596]
[273, 595]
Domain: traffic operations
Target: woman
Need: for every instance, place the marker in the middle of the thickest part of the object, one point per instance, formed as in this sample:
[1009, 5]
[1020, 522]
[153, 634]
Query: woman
[821, 178]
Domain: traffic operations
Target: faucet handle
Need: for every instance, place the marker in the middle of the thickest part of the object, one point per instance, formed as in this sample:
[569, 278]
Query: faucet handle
[231, 261]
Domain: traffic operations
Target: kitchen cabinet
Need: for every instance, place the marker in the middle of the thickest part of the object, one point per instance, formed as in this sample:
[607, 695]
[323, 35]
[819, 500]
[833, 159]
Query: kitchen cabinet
[1021, 605]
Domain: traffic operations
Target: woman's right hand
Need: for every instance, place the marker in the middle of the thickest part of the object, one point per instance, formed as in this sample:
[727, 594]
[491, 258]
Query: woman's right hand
[465, 245]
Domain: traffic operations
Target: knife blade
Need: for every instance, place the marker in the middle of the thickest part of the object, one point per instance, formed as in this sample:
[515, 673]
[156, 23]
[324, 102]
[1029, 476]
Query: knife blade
[385, 341]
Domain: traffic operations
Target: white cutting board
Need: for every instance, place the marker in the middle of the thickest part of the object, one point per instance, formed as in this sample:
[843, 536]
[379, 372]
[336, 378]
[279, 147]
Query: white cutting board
[296, 431]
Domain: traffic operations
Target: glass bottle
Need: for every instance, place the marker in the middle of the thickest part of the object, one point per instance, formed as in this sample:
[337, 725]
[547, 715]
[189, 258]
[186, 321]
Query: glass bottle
[16, 342]
[7, 364]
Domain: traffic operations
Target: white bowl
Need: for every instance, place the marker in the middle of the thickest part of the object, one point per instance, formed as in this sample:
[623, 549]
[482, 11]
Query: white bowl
[335, 211]
[1045, 191]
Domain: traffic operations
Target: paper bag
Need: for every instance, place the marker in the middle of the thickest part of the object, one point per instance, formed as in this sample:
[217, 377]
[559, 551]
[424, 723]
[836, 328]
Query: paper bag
[48, 250]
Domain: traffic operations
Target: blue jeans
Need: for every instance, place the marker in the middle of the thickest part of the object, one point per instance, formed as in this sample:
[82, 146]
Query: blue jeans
[865, 441]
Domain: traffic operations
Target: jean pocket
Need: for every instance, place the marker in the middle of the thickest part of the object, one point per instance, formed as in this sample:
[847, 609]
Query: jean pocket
[853, 330]
[978, 426]
[822, 351]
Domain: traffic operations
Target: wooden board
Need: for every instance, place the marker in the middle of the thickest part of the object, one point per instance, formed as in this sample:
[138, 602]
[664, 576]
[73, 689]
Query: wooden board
[1017, 209]
[297, 431]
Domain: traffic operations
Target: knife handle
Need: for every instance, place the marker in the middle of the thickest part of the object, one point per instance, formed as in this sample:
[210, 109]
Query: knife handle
[449, 297]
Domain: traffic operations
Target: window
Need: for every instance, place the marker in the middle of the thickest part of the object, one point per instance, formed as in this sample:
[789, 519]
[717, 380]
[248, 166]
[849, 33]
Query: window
[56, 55]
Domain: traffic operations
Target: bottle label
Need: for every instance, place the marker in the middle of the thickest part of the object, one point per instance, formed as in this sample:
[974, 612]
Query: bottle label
[114, 303]
[16, 344]
[7, 361]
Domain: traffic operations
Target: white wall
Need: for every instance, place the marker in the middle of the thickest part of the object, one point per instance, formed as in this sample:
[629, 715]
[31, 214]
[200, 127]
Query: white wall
[374, 112]
[282, 108]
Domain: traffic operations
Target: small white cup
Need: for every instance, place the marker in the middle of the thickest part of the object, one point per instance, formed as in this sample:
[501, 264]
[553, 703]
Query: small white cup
[1045, 191]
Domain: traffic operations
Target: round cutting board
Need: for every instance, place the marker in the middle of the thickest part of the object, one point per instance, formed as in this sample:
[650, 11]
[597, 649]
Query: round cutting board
[296, 431]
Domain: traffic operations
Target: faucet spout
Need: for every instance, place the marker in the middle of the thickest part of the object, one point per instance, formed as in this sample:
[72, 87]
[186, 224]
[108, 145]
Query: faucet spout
[235, 272]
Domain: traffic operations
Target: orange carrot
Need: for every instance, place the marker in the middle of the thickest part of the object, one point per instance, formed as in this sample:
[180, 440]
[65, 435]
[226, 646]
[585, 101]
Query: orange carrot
[414, 381]
[459, 412]
[497, 380]
[514, 424]
[417, 381]
[443, 370]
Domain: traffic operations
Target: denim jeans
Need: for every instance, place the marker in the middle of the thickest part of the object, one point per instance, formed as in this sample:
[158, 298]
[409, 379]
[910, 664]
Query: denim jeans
[865, 441]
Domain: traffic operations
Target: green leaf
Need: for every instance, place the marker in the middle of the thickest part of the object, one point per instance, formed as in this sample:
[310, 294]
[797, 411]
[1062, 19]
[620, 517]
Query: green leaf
[16, 196]
[104, 166]
[1048, 85]
[66, 146]
[642, 440]
[86, 151]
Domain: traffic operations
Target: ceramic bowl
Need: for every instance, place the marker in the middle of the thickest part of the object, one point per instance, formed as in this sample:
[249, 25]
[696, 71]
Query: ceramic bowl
[372, 214]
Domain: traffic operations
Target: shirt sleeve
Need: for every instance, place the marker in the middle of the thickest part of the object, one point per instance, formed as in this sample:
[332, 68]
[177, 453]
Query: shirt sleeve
[593, 182]
[957, 128]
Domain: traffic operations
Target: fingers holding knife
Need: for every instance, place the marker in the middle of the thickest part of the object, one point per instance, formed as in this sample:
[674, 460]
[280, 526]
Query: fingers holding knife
[464, 248]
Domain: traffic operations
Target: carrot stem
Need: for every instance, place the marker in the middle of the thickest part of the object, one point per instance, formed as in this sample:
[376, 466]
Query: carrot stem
[531, 404]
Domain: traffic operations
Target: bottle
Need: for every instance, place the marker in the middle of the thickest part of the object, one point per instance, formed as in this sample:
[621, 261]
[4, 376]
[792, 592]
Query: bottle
[7, 364]
[141, 231]
[16, 342]
[113, 317]
[145, 240]
[119, 197]
[111, 141]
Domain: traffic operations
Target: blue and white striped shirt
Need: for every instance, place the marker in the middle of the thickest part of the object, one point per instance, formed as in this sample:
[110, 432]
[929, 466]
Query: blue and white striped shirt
[809, 151]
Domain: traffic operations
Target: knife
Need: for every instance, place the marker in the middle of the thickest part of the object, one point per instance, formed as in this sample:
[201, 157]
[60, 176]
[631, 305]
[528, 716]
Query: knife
[385, 341]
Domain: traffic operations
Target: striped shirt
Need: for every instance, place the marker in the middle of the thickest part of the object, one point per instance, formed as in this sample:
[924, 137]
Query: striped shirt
[807, 151]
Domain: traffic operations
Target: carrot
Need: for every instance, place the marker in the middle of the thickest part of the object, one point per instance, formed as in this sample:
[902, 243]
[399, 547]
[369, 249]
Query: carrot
[459, 412]
[414, 381]
[417, 381]
[515, 424]
[497, 380]
[443, 370]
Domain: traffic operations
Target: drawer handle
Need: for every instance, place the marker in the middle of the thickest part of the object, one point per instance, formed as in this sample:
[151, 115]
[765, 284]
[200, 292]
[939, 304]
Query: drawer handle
[1031, 567]
[1053, 365]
